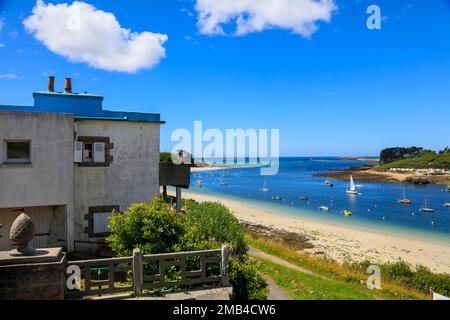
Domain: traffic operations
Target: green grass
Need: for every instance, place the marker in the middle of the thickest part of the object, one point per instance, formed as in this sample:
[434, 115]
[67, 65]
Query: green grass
[301, 286]
[424, 161]
[341, 278]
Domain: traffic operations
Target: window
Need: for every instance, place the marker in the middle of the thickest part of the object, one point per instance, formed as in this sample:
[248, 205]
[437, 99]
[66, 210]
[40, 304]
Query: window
[18, 152]
[93, 152]
[98, 220]
[88, 154]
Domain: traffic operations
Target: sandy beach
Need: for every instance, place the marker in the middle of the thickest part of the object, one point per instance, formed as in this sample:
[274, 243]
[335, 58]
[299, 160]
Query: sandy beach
[342, 243]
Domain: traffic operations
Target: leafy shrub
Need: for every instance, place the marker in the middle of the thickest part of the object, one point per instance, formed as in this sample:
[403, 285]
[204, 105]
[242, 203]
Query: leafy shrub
[212, 223]
[423, 279]
[419, 278]
[399, 271]
[247, 283]
[153, 228]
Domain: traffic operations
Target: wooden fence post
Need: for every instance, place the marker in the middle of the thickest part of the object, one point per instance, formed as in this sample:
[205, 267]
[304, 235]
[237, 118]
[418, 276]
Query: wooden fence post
[138, 272]
[223, 266]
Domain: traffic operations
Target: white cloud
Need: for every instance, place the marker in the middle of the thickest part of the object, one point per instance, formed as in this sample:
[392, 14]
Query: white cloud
[81, 33]
[2, 24]
[299, 16]
[8, 76]
[2, 45]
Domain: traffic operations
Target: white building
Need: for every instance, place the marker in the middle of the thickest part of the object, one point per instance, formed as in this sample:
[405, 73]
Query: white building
[68, 164]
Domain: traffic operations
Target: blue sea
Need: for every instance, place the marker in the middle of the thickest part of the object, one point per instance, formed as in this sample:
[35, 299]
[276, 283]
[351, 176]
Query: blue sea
[376, 207]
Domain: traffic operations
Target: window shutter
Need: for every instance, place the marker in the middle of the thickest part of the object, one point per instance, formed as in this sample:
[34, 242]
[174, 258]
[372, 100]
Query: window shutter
[78, 154]
[99, 152]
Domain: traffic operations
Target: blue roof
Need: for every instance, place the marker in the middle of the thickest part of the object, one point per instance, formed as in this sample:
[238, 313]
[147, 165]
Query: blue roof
[82, 105]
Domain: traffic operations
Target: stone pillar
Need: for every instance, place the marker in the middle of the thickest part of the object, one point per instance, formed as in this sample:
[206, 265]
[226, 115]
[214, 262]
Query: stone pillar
[138, 272]
[38, 277]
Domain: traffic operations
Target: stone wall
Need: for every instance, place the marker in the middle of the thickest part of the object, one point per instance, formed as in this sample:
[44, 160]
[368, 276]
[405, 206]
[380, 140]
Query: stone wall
[34, 281]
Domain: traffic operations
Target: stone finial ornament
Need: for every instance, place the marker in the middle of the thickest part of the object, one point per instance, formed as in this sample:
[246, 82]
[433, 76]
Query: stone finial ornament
[21, 233]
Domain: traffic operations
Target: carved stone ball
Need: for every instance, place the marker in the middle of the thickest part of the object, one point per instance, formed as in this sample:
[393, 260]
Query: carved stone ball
[22, 232]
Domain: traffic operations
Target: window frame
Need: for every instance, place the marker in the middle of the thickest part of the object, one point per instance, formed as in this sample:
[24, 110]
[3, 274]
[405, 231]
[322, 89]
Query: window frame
[92, 140]
[89, 217]
[18, 161]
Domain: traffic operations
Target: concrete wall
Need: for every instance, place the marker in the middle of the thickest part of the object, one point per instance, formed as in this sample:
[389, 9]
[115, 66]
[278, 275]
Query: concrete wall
[133, 176]
[48, 180]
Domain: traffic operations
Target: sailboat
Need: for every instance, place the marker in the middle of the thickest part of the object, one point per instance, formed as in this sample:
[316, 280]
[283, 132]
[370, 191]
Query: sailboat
[448, 188]
[326, 208]
[199, 183]
[222, 181]
[264, 187]
[425, 207]
[352, 189]
[404, 199]
[447, 205]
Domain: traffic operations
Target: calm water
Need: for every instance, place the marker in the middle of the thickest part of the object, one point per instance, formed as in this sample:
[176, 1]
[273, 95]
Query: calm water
[376, 206]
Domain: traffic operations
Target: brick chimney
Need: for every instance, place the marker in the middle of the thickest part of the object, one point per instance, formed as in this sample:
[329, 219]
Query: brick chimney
[51, 84]
[68, 86]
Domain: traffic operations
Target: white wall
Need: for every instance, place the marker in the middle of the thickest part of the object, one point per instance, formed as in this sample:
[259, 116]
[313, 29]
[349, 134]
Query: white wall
[133, 176]
[49, 179]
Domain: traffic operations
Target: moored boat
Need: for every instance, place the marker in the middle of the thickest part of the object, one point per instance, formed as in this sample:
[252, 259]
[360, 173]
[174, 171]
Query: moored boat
[277, 198]
[447, 205]
[404, 199]
[347, 212]
[352, 188]
[425, 207]
[264, 187]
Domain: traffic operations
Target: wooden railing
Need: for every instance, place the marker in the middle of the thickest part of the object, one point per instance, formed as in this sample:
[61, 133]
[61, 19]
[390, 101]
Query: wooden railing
[169, 270]
[98, 269]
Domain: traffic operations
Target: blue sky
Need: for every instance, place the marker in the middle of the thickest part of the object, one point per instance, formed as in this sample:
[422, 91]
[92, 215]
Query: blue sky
[342, 90]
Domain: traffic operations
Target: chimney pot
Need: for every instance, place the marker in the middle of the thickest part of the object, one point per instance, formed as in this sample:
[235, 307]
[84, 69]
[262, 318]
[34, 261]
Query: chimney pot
[68, 87]
[51, 84]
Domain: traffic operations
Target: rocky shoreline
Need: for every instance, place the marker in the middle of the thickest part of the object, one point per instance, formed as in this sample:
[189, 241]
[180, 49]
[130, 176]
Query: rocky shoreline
[367, 173]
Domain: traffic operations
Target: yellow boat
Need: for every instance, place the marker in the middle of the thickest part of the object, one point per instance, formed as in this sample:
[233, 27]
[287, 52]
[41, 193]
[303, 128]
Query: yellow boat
[346, 212]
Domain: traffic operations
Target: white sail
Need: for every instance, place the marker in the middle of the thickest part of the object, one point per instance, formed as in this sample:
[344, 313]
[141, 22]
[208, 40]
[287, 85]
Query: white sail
[352, 184]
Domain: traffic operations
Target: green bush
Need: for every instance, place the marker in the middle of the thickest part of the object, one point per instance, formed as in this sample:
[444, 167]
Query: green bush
[419, 278]
[208, 223]
[153, 228]
[247, 283]
[423, 279]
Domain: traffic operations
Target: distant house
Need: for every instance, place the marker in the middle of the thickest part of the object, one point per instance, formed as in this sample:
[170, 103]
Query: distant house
[68, 163]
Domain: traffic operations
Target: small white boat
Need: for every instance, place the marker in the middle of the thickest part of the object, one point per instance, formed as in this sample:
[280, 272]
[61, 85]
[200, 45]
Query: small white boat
[199, 183]
[264, 187]
[352, 189]
[447, 205]
[359, 186]
[277, 198]
[328, 183]
[448, 188]
[425, 207]
[223, 182]
[324, 208]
